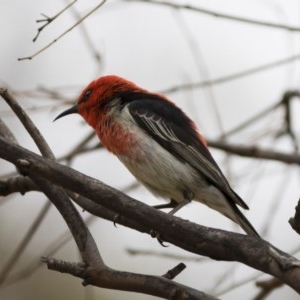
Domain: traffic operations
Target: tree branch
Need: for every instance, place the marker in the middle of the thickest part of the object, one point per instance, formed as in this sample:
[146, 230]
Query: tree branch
[217, 244]
[64, 33]
[267, 286]
[17, 184]
[255, 152]
[51, 249]
[151, 285]
[233, 76]
[7, 267]
[27, 123]
[171, 274]
[221, 15]
[93, 270]
[49, 20]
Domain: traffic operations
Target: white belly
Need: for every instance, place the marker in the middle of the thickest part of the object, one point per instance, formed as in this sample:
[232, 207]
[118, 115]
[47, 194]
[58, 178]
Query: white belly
[162, 173]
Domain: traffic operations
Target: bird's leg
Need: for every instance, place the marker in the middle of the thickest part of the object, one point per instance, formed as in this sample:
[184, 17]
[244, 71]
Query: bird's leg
[179, 206]
[188, 196]
[171, 204]
[155, 234]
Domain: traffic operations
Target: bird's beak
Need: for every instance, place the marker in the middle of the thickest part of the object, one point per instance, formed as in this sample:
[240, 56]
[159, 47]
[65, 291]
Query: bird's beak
[72, 110]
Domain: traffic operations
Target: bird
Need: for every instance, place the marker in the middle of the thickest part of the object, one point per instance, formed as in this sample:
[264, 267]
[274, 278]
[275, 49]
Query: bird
[159, 144]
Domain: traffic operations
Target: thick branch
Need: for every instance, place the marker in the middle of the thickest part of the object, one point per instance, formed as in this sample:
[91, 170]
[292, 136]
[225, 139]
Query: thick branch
[95, 272]
[217, 244]
[27, 123]
[154, 285]
[17, 184]
[81, 234]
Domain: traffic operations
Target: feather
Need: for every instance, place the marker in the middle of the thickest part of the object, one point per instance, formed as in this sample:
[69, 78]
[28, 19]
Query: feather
[174, 131]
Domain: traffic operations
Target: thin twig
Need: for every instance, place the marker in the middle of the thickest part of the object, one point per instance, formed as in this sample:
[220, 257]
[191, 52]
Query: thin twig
[77, 149]
[48, 20]
[279, 193]
[51, 249]
[88, 40]
[251, 120]
[221, 15]
[255, 152]
[237, 284]
[201, 65]
[171, 274]
[287, 104]
[267, 286]
[64, 33]
[228, 274]
[24, 242]
[232, 76]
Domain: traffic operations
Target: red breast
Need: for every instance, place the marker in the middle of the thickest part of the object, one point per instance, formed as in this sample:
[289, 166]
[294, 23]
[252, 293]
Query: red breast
[114, 137]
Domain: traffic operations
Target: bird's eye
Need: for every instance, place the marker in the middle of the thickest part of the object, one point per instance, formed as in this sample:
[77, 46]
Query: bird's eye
[86, 95]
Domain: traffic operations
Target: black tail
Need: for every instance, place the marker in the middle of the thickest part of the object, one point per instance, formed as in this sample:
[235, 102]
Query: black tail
[240, 219]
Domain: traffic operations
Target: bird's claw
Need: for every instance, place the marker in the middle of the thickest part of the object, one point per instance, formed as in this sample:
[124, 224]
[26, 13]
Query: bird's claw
[157, 235]
[115, 219]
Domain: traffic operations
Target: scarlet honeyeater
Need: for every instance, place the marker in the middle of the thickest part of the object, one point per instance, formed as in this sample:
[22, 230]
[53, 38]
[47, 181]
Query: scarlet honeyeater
[159, 144]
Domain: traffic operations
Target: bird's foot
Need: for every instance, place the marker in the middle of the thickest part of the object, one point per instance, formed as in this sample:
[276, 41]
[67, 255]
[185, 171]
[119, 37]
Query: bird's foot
[170, 204]
[116, 219]
[159, 238]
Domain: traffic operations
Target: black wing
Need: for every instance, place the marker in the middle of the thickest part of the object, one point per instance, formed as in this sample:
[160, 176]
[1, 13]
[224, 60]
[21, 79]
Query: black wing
[172, 129]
